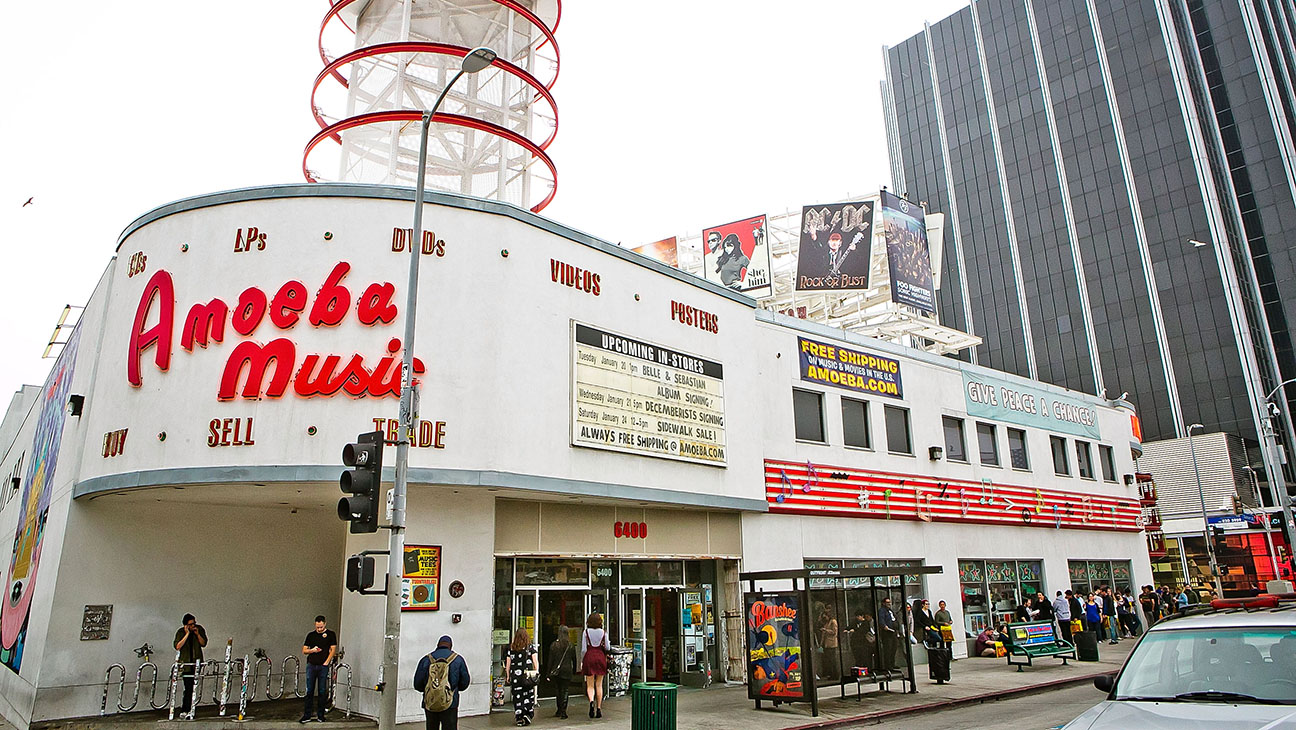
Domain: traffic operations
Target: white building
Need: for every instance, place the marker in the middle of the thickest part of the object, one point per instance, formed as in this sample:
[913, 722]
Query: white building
[191, 481]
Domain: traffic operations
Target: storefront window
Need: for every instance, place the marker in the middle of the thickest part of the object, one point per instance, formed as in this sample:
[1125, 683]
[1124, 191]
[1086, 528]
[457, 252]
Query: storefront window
[1168, 570]
[552, 572]
[992, 589]
[1088, 575]
[652, 573]
[503, 594]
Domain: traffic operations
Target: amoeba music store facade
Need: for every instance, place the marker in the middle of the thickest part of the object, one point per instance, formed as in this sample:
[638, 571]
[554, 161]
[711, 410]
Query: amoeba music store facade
[597, 432]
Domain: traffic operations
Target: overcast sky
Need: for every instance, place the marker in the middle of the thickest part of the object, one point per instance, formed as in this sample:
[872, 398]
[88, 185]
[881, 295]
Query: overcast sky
[675, 116]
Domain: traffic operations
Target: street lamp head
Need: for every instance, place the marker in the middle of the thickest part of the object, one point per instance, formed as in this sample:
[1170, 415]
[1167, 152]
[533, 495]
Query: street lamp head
[1195, 425]
[478, 59]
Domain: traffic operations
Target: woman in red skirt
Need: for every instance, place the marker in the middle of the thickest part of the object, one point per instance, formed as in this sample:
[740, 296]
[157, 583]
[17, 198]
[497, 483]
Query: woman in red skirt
[593, 662]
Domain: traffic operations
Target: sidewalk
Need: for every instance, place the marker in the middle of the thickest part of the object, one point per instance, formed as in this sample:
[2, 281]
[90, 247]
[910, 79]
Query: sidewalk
[717, 708]
[727, 708]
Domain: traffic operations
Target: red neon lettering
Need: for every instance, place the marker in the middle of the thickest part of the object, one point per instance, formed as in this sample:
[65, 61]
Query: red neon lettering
[333, 299]
[290, 300]
[158, 336]
[257, 358]
[249, 312]
[375, 304]
[205, 322]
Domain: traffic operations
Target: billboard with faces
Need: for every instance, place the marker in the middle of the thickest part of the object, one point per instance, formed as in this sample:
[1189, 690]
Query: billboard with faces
[737, 256]
[835, 248]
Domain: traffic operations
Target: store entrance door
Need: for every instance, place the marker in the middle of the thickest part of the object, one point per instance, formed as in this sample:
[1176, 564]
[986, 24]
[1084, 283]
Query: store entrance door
[555, 608]
[652, 617]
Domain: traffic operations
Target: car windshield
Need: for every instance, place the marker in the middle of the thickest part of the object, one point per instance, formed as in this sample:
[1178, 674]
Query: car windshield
[1254, 664]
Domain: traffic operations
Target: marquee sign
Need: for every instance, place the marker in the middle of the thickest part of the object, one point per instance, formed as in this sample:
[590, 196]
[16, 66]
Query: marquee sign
[640, 398]
[820, 489]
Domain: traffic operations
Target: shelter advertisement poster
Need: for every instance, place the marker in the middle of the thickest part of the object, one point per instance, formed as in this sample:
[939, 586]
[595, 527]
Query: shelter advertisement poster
[34, 508]
[855, 370]
[908, 257]
[836, 247]
[665, 251]
[737, 256]
[421, 578]
[774, 647]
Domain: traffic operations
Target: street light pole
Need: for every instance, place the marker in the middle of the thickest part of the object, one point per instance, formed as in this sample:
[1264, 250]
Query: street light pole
[476, 60]
[1277, 481]
[1210, 546]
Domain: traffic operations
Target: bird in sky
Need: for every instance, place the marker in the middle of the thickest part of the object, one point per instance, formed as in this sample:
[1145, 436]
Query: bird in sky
[29, 202]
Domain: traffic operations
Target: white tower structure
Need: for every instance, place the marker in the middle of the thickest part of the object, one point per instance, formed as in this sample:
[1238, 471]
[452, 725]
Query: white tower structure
[386, 60]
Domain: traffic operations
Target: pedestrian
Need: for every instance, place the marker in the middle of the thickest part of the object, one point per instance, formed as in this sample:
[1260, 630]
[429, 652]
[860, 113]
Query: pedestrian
[522, 666]
[440, 677]
[1109, 616]
[319, 647]
[985, 641]
[923, 621]
[863, 640]
[1077, 608]
[909, 622]
[943, 619]
[1093, 616]
[831, 647]
[1062, 611]
[562, 668]
[1043, 609]
[190, 639]
[889, 637]
[1150, 604]
[1181, 599]
[593, 662]
[1023, 613]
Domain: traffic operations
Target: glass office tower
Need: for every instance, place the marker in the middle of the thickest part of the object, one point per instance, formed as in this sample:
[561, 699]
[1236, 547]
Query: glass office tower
[1120, 179]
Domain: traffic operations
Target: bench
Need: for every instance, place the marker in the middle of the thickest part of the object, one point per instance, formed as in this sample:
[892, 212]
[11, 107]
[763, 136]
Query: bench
[1034, 639]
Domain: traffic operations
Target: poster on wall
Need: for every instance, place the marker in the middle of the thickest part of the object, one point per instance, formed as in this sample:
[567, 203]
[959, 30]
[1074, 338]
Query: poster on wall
[737, 256]
[421, 578]
[774, 665]
[34, 508]
[908, 257]
[665, 251]
[835, 250]
[639, 398]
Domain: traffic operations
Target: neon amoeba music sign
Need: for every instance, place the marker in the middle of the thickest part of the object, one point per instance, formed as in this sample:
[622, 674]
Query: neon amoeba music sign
[267, 370]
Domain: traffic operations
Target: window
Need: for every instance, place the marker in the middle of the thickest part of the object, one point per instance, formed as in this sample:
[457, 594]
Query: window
[1060, 463]
[1017, 448]
[897, 430]
[855, 423]
[955, 448]
[1108, 461]
[1084, 460]
[988, 442]
[807, 409]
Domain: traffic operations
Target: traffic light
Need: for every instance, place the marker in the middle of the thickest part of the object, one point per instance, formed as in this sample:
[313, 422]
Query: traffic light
[363, 482]
[359, 573]
[1217, 537]
[1237, 505]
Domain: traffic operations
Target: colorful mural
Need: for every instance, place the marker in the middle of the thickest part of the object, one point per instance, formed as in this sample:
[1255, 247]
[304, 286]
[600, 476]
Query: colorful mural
[23, 568]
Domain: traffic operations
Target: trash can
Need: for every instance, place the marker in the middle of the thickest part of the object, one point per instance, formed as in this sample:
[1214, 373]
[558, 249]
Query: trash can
[652, 706]
[618, 676]
[938, 664]
[1086, 643]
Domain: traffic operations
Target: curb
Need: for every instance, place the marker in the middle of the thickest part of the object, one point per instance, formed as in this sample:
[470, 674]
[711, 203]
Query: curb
[951, 703]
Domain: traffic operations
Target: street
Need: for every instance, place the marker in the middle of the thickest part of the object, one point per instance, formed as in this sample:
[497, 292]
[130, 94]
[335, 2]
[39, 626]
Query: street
[1028, 712]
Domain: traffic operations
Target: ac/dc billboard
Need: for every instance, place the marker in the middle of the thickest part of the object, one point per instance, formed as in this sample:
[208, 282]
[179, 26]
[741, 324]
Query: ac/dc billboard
[835, 250]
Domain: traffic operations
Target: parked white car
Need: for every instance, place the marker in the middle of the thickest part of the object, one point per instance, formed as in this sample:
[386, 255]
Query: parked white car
[1232, 665]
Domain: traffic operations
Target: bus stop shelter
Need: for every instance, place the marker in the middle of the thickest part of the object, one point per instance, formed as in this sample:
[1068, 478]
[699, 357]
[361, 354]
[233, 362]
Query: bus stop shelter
[825, 627]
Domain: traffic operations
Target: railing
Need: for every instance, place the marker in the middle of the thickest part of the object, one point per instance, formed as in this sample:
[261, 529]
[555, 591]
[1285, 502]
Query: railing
[220, 677]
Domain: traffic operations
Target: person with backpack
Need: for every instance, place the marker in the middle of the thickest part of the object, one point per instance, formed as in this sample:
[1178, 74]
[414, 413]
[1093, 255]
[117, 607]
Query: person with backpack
[441, 676]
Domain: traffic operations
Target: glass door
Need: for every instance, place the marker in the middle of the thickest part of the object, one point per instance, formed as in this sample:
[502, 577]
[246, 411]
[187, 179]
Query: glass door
[635, 622]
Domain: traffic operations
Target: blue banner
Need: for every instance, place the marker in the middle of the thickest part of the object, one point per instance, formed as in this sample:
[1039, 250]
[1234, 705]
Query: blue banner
[862, 372]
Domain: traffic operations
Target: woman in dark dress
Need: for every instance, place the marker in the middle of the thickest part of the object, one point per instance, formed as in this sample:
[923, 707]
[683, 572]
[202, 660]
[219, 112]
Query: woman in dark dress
[522, 659]
[593, 662]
